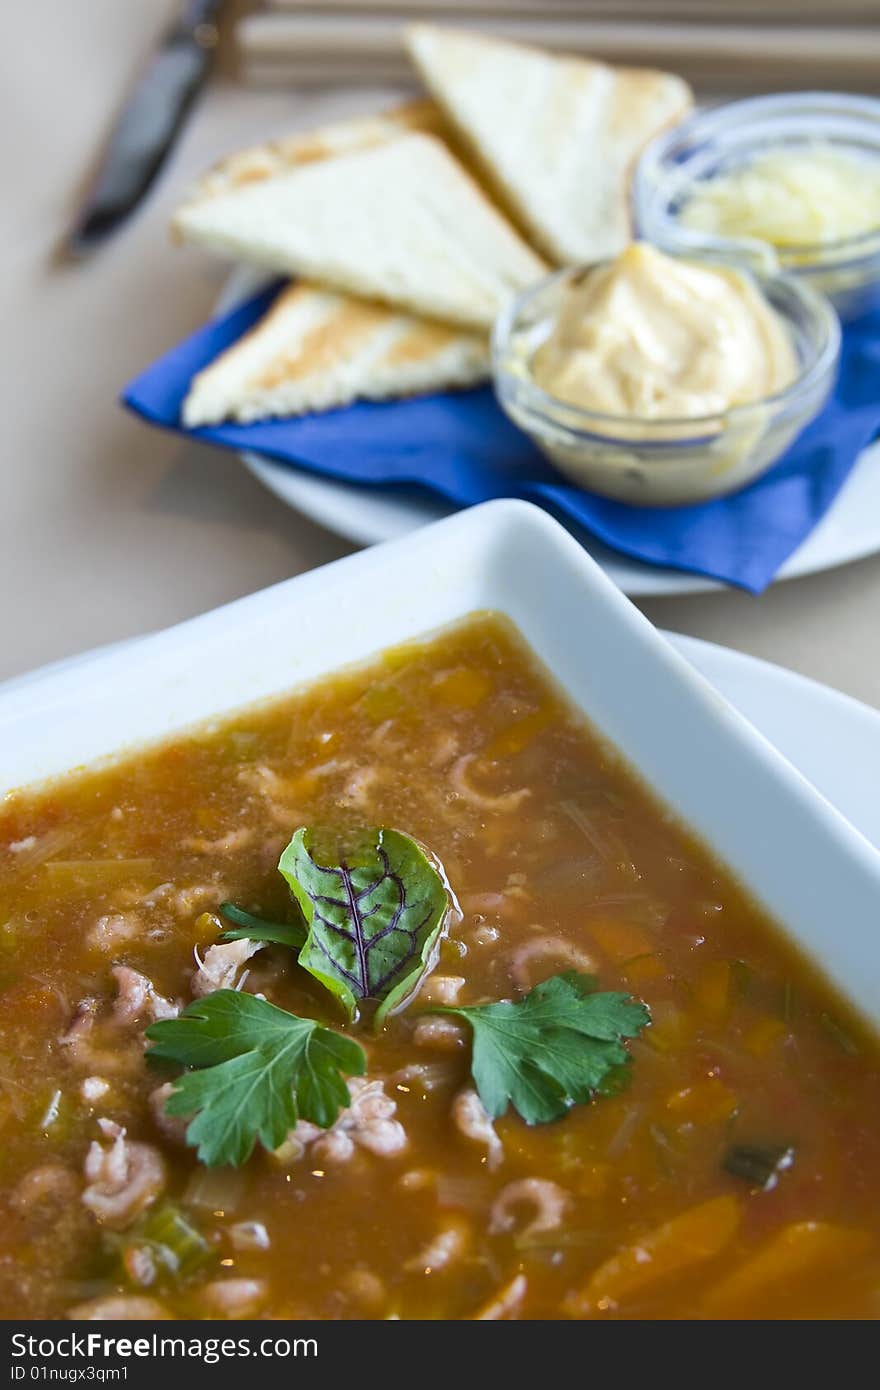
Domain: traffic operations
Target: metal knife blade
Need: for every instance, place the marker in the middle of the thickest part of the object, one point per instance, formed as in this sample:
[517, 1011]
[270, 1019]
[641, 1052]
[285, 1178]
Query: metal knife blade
[151, 120]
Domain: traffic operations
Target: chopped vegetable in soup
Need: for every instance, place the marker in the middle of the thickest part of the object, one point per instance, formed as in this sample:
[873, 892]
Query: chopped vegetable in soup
[402, 998]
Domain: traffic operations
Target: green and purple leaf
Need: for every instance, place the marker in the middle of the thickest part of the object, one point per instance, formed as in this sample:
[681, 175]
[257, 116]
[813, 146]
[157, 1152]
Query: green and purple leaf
[375, 906]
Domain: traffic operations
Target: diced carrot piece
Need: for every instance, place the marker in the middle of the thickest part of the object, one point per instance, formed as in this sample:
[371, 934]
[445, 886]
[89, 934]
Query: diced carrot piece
[695, 1235]
[462, 688]
[644, 970]
[704, 1103]
[712, 989]
[669, 1029]
[382, 702]
[793, 1255]
[518, 735]
[207, 928]
[621, 940]
[762, 1035]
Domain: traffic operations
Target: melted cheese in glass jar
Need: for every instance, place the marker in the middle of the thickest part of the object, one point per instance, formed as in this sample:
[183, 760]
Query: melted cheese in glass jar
[811, 195]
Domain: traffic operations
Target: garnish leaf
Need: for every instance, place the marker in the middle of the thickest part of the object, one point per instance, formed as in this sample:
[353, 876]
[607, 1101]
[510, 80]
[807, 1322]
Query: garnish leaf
[758, 1164]
[258, 1070]
[375, 906]
[558, 1046]
[253, 928]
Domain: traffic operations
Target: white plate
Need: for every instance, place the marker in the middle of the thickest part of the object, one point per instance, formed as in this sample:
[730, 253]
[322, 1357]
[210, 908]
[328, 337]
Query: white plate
[849, 531]
[832, 739]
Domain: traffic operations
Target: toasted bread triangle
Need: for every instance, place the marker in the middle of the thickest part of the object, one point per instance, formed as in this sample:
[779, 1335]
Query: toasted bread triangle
[401, 222]
[555, 137]
[288, 152]
[316, 350]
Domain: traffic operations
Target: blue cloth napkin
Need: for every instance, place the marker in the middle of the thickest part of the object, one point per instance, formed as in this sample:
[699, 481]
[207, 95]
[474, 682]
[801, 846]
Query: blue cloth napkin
[461, 446]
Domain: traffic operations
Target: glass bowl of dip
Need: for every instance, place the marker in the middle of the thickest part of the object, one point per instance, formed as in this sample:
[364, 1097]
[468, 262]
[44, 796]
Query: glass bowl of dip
[675, 460]
[790, 180]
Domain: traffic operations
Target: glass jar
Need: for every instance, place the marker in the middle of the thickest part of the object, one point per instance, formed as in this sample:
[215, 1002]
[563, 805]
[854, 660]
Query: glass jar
[664, 462]
[727, 138]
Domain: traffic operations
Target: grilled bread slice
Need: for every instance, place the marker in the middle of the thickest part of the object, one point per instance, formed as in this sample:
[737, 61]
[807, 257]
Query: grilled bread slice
[556, 138]
[315, 350]
[275, 157]
[401, 222]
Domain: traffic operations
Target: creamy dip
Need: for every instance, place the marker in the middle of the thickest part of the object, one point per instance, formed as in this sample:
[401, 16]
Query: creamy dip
[651, 337]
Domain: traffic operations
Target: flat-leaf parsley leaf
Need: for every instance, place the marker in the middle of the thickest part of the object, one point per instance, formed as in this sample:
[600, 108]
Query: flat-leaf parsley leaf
[558, 1046]
[257, 1070]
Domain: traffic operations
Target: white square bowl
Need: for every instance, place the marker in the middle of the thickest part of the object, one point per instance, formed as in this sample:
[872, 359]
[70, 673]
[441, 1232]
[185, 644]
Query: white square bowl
[817, 875]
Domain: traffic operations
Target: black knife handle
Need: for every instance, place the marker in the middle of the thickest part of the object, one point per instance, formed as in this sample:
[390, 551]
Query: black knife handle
[153, 117]
[196, 21]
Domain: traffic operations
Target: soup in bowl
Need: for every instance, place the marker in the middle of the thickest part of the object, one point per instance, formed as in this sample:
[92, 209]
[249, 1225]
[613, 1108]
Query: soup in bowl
[403, 996]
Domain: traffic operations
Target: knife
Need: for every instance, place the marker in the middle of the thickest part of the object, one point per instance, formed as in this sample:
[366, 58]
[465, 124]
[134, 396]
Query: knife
[149, 124]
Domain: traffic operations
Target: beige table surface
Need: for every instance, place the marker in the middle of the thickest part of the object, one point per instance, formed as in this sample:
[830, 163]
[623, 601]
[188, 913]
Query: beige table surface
[109, 529]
